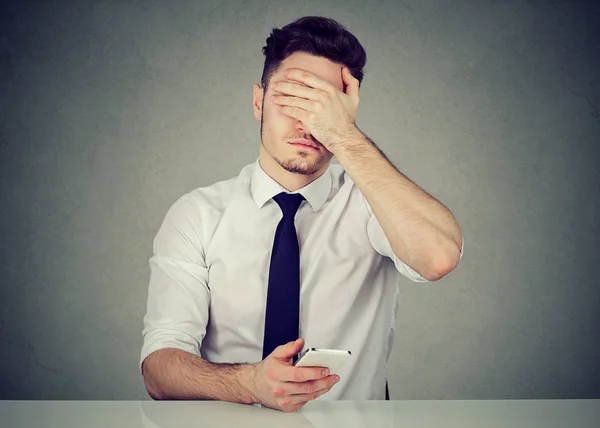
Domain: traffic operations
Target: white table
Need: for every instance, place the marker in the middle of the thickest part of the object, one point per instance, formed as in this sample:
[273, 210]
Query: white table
[406, 414]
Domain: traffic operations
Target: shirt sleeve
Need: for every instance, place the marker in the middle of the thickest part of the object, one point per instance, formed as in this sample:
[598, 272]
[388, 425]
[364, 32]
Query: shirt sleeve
[178, 293]
[381, 244]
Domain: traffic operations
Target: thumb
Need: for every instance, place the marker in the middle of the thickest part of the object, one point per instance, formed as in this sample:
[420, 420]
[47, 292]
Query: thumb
[287, 351]
[350, 81]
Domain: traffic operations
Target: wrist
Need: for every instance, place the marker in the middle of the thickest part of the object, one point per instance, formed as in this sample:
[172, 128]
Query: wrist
[350, 142]
[247, 382]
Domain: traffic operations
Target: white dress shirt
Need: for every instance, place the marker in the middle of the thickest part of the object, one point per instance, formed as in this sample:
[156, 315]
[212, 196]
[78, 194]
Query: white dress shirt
[210, 268]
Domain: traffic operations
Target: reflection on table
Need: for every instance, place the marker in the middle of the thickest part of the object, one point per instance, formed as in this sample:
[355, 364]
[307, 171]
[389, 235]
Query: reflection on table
[321, 414]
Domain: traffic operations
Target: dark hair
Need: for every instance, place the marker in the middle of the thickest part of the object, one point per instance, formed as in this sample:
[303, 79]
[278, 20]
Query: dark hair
[315, 35]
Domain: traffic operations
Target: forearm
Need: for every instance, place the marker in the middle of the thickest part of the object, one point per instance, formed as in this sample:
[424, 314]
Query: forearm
[422, 232]
[175, 374]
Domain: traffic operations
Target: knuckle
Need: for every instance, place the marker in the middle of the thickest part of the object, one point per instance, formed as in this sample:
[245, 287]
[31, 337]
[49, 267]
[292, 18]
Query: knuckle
[277, 392]
[310, 388]
[298, 376]
[283, 402]
[272, 374]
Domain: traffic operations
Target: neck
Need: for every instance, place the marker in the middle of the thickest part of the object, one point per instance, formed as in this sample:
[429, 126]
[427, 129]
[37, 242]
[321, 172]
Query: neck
[290, 181]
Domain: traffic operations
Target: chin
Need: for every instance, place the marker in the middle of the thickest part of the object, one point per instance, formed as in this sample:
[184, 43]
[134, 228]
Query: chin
[301, 165]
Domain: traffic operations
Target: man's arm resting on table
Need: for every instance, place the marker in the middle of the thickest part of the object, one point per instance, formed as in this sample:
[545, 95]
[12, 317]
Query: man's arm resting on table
[172, 373]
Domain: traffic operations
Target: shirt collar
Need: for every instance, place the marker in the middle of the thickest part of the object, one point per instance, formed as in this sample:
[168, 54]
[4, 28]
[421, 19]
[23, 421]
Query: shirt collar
[263, 188]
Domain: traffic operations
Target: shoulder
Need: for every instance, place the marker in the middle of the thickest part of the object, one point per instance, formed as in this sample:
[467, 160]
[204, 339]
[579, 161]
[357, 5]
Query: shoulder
[214, 197]
[191, 216]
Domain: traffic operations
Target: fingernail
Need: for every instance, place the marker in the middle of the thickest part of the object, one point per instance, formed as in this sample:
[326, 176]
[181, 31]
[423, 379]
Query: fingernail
[325, 372]
[336, 379]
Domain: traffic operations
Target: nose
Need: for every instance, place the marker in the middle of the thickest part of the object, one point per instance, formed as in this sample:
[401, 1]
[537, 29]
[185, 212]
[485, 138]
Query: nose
[301, 127]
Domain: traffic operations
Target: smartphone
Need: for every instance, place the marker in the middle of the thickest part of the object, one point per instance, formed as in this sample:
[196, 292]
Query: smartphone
[333, 359]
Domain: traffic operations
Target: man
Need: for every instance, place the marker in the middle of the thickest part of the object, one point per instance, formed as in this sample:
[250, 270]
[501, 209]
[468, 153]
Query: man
[295, 252]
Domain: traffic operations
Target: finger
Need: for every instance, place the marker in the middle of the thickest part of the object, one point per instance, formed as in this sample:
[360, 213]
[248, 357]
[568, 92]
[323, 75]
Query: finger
[287, 351]
[295, 112]
[308, 387]
[310, 79]
[302, 374]
[305, 398]
[296, 90]
[351, 85]
[293, 101]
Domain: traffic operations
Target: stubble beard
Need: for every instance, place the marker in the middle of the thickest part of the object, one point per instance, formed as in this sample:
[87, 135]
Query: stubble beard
[300, 164]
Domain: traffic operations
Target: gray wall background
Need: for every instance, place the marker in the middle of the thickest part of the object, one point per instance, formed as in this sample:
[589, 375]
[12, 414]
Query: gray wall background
[110, 110]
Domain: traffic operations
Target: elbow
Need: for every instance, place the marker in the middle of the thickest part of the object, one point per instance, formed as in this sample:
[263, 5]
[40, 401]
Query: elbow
[438, 273]
[151, 387]
[153, 392]
[433, 274]
[442, 267]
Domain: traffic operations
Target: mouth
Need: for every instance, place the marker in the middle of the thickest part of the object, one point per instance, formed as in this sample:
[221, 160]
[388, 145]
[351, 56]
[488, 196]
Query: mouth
[304, 143]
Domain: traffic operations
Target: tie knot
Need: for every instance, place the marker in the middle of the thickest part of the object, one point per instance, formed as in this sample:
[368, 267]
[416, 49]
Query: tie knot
[289, 203]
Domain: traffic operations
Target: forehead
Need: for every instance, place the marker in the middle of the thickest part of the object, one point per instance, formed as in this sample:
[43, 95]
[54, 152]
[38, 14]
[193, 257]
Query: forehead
[319, 66]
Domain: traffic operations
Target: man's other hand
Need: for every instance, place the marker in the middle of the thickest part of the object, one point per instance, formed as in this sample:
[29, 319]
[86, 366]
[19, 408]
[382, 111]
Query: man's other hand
[280, 385]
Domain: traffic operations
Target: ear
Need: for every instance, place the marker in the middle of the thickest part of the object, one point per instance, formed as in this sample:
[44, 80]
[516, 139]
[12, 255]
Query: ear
[257, 99]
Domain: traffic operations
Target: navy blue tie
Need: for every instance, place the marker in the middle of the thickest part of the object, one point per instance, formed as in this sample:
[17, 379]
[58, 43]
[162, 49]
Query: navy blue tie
[283, 295]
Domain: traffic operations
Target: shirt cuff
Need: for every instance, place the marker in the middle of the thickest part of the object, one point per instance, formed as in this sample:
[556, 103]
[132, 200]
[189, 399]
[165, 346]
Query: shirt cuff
[161, 339]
